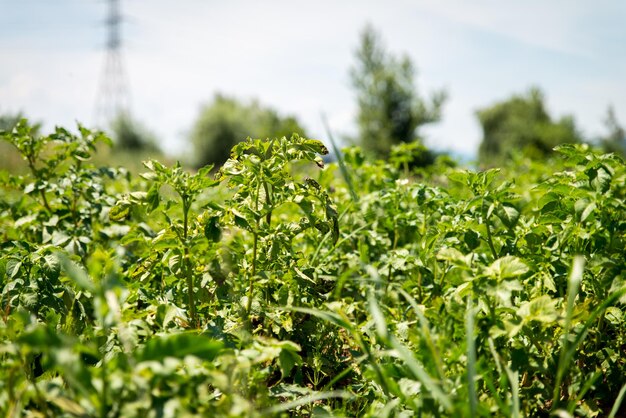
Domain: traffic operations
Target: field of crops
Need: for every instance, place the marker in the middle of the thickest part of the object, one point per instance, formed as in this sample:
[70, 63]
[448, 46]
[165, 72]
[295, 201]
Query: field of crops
[283, 286]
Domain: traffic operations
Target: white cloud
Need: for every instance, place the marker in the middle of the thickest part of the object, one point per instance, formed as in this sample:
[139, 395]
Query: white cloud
[54, 87]
[550, 25]
[19, 88]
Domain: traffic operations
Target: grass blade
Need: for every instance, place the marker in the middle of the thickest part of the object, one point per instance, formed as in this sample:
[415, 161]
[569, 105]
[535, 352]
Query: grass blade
[471, 357]
[425, 329]
[514, 380]
[343, 322]
[511, 376]
[573, 284]
[407, 356]
[286, 406]
[420, 374]
[618, 402]
[342, 165]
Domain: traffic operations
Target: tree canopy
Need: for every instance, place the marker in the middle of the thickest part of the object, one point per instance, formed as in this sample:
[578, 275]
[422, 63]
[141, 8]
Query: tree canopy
[390, 109]
[522, 123]
[9, 120]
[130, 135]
[615, 138]
[225, 122]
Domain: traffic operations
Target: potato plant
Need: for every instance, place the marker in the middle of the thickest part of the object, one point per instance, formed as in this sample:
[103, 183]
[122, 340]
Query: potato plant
[281, 286]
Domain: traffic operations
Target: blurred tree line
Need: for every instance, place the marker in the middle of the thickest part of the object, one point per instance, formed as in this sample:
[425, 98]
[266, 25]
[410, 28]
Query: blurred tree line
[130, 135]
[225, 122]
[390, 114]
[522, 124]
[132, 142]
[615, 139]
[9, 120]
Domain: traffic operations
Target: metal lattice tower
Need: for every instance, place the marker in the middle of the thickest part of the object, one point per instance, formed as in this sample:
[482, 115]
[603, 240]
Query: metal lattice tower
[113, 96]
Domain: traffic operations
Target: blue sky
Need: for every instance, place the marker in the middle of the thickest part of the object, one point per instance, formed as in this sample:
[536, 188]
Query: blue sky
[295, 56]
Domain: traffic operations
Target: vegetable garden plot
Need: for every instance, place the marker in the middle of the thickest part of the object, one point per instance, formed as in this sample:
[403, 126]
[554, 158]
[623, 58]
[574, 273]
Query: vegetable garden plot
[272, 289]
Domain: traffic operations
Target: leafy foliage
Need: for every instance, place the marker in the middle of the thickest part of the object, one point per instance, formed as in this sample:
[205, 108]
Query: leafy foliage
[271, 290]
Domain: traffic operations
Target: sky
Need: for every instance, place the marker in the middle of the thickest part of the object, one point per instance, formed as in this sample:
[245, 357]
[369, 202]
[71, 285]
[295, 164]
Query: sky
[295, 56]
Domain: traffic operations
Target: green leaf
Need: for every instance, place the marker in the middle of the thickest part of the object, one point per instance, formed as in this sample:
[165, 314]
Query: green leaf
[471, 239]
[618, 402]
[212, 230]
[331, 317]
[13, 267]
[152, 198]
[584, 208]
[506, 267]
[25, 220]
[600, 179]
[52, 266]
[68, 405]
[431, 385]
[455, 257]
[460, 176]
[240, 221]
[175, 263]
[571, 150]
[614, 315]
[508, 214]
[377, 315]
[59, 238]
[179, 346]
[120, 211]
[77, 274]
[288, 358]
[541, 309]
[40, 338]
[317, 396]
[29, 188]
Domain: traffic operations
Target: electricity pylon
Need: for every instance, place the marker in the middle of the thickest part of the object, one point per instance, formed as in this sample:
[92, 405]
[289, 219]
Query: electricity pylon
[113, 96]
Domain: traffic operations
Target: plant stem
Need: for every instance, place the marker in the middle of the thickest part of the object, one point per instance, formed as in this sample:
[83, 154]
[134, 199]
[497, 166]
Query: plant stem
[489, 238]
[102, 350]
[35, 172]
[268, 200]
[105, 385]
[255, 249]
[38, 395]
[253, 273]
[187, 265]
[393, 248]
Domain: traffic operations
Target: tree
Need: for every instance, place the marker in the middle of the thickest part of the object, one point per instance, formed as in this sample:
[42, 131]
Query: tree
[390, 110]
[11, 159]
[522, 123]
[225, 122]
[129, 135]
[615, 140]
[8, 122]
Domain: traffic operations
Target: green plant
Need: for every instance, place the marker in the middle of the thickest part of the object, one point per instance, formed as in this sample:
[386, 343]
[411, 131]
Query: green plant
[280, 289]
[179, 236]
[259, 172]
